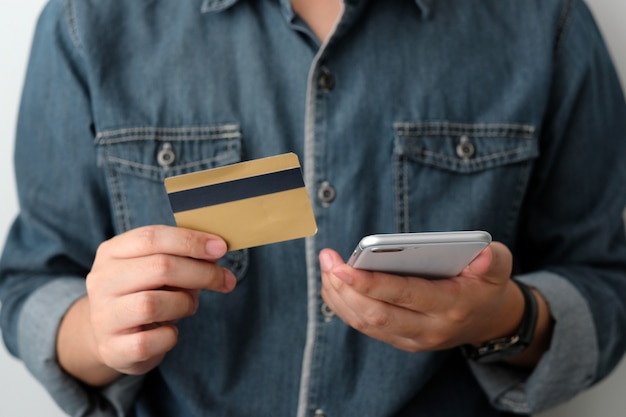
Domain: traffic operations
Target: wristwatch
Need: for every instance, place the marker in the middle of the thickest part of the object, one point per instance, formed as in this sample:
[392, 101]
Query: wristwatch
[504, 347]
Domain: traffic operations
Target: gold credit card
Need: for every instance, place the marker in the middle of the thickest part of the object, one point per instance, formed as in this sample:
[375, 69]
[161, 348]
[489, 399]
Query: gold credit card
[248, 204]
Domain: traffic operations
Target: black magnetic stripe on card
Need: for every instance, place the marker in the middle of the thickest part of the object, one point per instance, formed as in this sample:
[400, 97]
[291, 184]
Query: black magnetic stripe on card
[235, 190]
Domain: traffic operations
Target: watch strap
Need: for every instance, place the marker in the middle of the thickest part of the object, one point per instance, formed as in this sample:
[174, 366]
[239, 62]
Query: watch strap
[503, 347]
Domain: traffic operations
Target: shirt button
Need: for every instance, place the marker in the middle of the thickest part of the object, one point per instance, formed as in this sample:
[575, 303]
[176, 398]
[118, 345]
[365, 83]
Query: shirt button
[166, 156]
[327, 312]
[465, 149]
[326, 193]
[319, 413]
[326, 79]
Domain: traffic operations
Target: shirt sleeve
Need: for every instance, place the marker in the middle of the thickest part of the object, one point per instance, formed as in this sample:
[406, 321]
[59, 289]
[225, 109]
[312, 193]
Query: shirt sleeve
[37, 331]
[50, 248]
[572, 240]
[521, 391]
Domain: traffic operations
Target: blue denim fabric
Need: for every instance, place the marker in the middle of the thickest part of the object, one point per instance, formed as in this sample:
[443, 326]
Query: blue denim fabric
[430, 115]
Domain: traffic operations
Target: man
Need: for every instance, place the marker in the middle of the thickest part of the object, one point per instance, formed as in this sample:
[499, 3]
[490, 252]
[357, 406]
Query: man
[408, 116]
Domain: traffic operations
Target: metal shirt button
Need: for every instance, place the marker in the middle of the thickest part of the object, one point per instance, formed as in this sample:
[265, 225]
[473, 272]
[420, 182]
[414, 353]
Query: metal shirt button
[166, 155]
[327, 312]
[465, 149]
[326, 80]
[326, 193]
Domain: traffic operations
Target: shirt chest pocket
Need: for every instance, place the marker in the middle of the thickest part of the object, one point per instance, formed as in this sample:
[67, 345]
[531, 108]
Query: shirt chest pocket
[462, 176]
[137, 160]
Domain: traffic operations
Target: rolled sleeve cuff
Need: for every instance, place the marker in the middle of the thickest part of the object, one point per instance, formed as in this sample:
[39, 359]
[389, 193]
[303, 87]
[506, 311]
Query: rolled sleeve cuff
[565, 369]
[38, 325]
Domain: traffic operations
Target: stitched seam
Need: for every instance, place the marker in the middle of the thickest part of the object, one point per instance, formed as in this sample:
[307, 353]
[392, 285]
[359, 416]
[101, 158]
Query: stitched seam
[444, 123]
[139, 165]
[458, 129]
[485, 158]
[402, 194]
[70, 16]
[460, 132]
[178, 134]
[169, 138]
[310, 348]
[512, 217]
[396, 190]
[124, 131]
[119, 201]
[563, 24]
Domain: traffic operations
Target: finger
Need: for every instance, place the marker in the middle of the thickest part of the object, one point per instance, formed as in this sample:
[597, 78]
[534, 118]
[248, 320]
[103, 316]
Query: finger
[494, 263]
[417, 294]
[379, 320]
[354, 302]
[158, 271]
[139, 309]
[177, 241]
[138, 352]
[407, 312]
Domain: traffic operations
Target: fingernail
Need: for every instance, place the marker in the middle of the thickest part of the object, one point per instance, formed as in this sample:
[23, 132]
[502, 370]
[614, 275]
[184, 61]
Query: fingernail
[216, 248]
[326, 262]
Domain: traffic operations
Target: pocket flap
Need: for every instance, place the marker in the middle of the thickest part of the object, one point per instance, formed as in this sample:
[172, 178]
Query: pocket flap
[158, 152]
[465, 147]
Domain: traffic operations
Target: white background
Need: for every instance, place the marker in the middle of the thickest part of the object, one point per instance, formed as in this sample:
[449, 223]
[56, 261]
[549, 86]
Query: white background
[20, 394]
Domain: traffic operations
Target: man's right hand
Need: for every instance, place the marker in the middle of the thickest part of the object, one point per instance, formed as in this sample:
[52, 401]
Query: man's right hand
[141, 283]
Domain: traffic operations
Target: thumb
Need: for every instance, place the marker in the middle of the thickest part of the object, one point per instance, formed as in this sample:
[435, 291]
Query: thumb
[329, 259]
[494, 263]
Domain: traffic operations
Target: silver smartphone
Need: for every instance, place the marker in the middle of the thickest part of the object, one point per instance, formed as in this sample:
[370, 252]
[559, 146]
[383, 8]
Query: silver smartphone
[429, 255]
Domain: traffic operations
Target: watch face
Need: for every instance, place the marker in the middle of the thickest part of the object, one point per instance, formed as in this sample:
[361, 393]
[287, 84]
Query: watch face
[495, 350]
[497, 355]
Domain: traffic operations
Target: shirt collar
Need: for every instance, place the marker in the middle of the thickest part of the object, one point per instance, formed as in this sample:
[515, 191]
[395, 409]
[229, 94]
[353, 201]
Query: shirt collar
[216, 5]
[425, 6]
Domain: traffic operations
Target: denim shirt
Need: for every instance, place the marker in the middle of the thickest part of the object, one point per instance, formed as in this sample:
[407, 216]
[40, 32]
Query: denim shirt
[423, 115]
